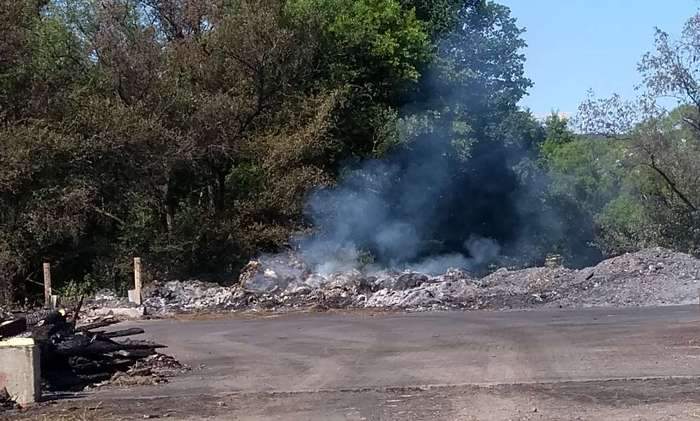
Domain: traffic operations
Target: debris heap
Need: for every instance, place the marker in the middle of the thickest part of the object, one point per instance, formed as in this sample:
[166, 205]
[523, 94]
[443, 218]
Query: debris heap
[646, 278]
[74, 356]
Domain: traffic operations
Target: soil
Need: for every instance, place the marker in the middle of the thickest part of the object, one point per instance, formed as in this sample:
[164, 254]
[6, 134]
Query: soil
[604, 363]
[646, 399]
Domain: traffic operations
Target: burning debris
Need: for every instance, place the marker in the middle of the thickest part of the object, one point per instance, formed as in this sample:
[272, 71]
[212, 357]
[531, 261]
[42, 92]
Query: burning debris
[74, 356]
[649, 277]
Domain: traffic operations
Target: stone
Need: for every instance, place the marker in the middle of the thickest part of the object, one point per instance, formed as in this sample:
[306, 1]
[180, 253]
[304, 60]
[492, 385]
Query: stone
[20, 370]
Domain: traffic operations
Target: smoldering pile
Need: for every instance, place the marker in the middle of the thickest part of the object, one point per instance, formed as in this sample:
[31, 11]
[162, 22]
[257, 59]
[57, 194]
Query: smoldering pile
[649, 277]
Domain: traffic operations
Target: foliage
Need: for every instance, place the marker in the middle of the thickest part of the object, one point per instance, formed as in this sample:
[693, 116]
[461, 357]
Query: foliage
[185, 132]
[586, 174]
[655, 200]
[186, 135]
[190, 132]
[557, 134]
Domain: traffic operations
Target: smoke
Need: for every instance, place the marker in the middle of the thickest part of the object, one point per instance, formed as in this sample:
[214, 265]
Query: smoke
[481, 251]
[421, 208]
[461, 189]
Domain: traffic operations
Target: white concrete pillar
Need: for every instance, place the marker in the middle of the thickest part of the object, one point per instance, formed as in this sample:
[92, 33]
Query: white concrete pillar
[20, 371]
[135, 294]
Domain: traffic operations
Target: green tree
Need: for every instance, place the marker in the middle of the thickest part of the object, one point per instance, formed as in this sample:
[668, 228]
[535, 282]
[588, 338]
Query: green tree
[662, 146]
[371, 50]
[557, 133]
[189, 132]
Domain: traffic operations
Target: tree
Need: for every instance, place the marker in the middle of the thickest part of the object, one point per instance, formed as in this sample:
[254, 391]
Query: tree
[449, 170]
[557, 133]
[662, 146]
[191, 132]
[371, 50]
[464, 116]
[671, 70]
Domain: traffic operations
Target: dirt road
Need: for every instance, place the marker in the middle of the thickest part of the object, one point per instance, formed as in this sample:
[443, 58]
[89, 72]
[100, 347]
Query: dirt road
[473, 365]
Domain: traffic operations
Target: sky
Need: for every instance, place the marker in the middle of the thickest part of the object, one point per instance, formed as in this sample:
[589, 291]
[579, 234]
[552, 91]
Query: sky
[576, 45]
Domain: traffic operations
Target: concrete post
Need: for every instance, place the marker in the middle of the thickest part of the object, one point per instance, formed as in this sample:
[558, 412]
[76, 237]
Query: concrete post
[20, 370]
[135, 294]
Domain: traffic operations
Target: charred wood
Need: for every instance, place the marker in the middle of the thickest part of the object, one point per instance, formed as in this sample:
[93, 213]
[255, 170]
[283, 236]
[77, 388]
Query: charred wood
[122, 333]
[96, 325]
[13, 327]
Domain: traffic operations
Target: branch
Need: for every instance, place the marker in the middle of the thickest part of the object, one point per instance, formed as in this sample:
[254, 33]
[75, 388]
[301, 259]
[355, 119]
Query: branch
[691, 123]
[109, 215]
[671, 184]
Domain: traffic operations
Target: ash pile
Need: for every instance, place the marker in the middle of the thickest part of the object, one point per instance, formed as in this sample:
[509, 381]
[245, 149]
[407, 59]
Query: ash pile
[646, 278]
[77, 356]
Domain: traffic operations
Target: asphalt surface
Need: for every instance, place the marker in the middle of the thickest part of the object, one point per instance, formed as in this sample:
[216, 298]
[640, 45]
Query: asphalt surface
[330, 352]
[598, 364]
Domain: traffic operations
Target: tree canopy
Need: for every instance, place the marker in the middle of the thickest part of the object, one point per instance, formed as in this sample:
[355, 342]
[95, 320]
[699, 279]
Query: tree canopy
[192, 133]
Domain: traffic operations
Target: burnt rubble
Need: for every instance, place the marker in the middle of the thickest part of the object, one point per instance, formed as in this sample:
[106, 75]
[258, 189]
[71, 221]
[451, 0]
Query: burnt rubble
[649, 277]
[75, 356]
[6, 401]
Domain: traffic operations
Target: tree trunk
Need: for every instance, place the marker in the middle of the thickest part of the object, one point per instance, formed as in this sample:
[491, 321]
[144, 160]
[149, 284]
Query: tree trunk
[221, 190]
[169, 217]
[170, 203]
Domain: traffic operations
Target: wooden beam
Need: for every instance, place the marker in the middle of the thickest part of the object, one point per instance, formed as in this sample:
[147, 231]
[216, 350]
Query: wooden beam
[136, 296]
[47, 286]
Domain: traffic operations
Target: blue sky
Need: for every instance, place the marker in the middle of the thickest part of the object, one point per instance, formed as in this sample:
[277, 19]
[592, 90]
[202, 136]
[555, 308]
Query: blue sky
[574, 45]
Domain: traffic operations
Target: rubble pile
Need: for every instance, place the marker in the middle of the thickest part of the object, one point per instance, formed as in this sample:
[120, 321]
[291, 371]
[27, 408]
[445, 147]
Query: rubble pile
[106, 303]
[74, 356]
[107, 298]
[191, 296]
[154, 369]
[649, 277]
